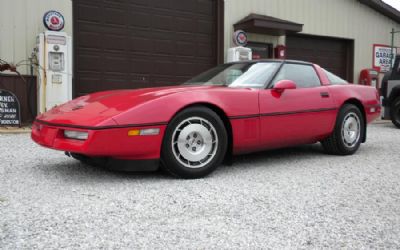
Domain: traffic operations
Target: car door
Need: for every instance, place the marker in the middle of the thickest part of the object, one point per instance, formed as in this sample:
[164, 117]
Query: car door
[296, 116]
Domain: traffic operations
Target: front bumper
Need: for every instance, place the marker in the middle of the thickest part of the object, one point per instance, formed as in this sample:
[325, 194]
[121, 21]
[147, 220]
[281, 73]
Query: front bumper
[110, 142]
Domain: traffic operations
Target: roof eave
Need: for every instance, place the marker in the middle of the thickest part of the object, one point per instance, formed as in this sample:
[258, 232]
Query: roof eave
[383, 8]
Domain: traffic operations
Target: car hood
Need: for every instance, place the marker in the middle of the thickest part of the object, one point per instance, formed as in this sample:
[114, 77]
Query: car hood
[99, 108]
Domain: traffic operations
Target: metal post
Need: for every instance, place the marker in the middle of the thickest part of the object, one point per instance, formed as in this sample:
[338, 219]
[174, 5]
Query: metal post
[392, 46]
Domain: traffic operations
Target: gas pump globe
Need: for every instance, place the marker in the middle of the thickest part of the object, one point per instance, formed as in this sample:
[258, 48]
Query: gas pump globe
[54, 80]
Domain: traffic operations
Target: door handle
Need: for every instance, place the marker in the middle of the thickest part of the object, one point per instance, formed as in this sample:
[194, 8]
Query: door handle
[324, 94]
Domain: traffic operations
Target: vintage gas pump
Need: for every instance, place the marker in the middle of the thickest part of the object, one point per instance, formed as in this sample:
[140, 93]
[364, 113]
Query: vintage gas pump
[54, 58]
[239, 53]
[369, 77]
[54, 55]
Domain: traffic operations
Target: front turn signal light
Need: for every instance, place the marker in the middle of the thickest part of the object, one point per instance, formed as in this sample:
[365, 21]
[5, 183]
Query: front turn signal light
[134, 132]
[147, 131]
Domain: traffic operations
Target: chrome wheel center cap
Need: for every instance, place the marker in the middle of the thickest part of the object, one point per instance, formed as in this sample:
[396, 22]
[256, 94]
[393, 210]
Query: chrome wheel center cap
[351, 129]
[194, 142]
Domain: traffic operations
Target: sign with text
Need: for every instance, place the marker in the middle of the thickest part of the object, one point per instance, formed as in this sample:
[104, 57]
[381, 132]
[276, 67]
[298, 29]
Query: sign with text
[10, 114]
[53, 20]
[382, 57]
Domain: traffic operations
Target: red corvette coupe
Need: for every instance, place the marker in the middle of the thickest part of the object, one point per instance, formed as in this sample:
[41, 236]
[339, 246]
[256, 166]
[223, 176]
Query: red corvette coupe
[232, 109]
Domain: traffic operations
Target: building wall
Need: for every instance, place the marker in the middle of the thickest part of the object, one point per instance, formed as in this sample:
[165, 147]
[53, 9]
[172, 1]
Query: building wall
[21, 21]
[334, 18]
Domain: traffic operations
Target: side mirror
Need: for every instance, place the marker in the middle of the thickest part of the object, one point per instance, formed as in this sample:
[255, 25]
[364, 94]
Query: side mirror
[282, 85]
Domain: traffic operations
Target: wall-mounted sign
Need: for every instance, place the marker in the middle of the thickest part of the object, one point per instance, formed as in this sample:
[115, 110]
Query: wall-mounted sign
[382, 57]
[240, 38]
[10, 114]
[53, 20]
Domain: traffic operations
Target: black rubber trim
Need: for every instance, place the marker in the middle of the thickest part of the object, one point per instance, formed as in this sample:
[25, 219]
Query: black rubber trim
[282, 113]
[244, 116]
[102, 127]
[299, 112]
[133, 165]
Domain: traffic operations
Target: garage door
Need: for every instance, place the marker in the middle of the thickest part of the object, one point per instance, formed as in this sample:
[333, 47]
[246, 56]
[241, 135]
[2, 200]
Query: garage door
[142, 43]
[333, 54]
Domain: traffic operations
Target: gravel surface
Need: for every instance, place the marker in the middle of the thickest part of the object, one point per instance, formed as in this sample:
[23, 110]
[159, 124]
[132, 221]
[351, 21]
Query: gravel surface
[291, 198]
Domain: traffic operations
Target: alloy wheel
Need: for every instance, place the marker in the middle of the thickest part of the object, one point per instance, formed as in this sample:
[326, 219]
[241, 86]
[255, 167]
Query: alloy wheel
[194, 142]
[351, 128]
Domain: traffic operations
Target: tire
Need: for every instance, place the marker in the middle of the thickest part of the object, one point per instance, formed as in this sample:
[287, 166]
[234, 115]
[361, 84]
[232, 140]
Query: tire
[347, 135]
[194, 144]
[395, 112]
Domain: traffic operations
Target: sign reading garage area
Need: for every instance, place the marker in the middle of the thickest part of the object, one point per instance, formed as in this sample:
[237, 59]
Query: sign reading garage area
[382, 57]
[9, 109]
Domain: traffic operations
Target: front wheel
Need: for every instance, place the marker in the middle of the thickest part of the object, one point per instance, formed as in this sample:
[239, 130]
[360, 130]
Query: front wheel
[194, 144]
[395, 112]
[347, 136]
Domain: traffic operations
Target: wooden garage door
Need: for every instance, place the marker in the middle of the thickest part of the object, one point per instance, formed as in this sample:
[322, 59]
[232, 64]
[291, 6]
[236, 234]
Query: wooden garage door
[333, 54]
[142, 43]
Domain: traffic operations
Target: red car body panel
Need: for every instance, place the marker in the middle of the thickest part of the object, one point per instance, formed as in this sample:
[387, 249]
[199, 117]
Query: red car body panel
[259, 118]
[113, 142]
[302, 107]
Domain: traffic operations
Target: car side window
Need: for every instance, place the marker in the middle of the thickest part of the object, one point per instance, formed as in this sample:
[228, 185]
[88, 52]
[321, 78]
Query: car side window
[334, 79]
[303, 75]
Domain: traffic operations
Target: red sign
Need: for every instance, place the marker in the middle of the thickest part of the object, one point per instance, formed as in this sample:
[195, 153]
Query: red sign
[240, 38]
[53, 20]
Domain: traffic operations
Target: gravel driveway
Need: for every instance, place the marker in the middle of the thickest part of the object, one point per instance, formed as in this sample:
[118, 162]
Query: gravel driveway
[291, 198]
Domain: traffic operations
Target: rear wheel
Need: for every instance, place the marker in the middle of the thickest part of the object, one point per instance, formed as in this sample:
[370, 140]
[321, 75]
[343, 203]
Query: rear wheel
[194, 144]
[395, 112]
[347, 136]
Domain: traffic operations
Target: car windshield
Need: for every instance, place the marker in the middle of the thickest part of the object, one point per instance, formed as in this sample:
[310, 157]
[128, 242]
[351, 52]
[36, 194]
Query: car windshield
[245, 75]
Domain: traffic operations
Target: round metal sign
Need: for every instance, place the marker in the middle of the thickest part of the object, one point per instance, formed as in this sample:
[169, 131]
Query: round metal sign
[240, 38]
[53, 20]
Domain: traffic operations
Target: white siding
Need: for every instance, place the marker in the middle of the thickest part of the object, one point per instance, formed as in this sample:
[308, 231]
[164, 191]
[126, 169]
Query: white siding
[21, 21]
[335, 18]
